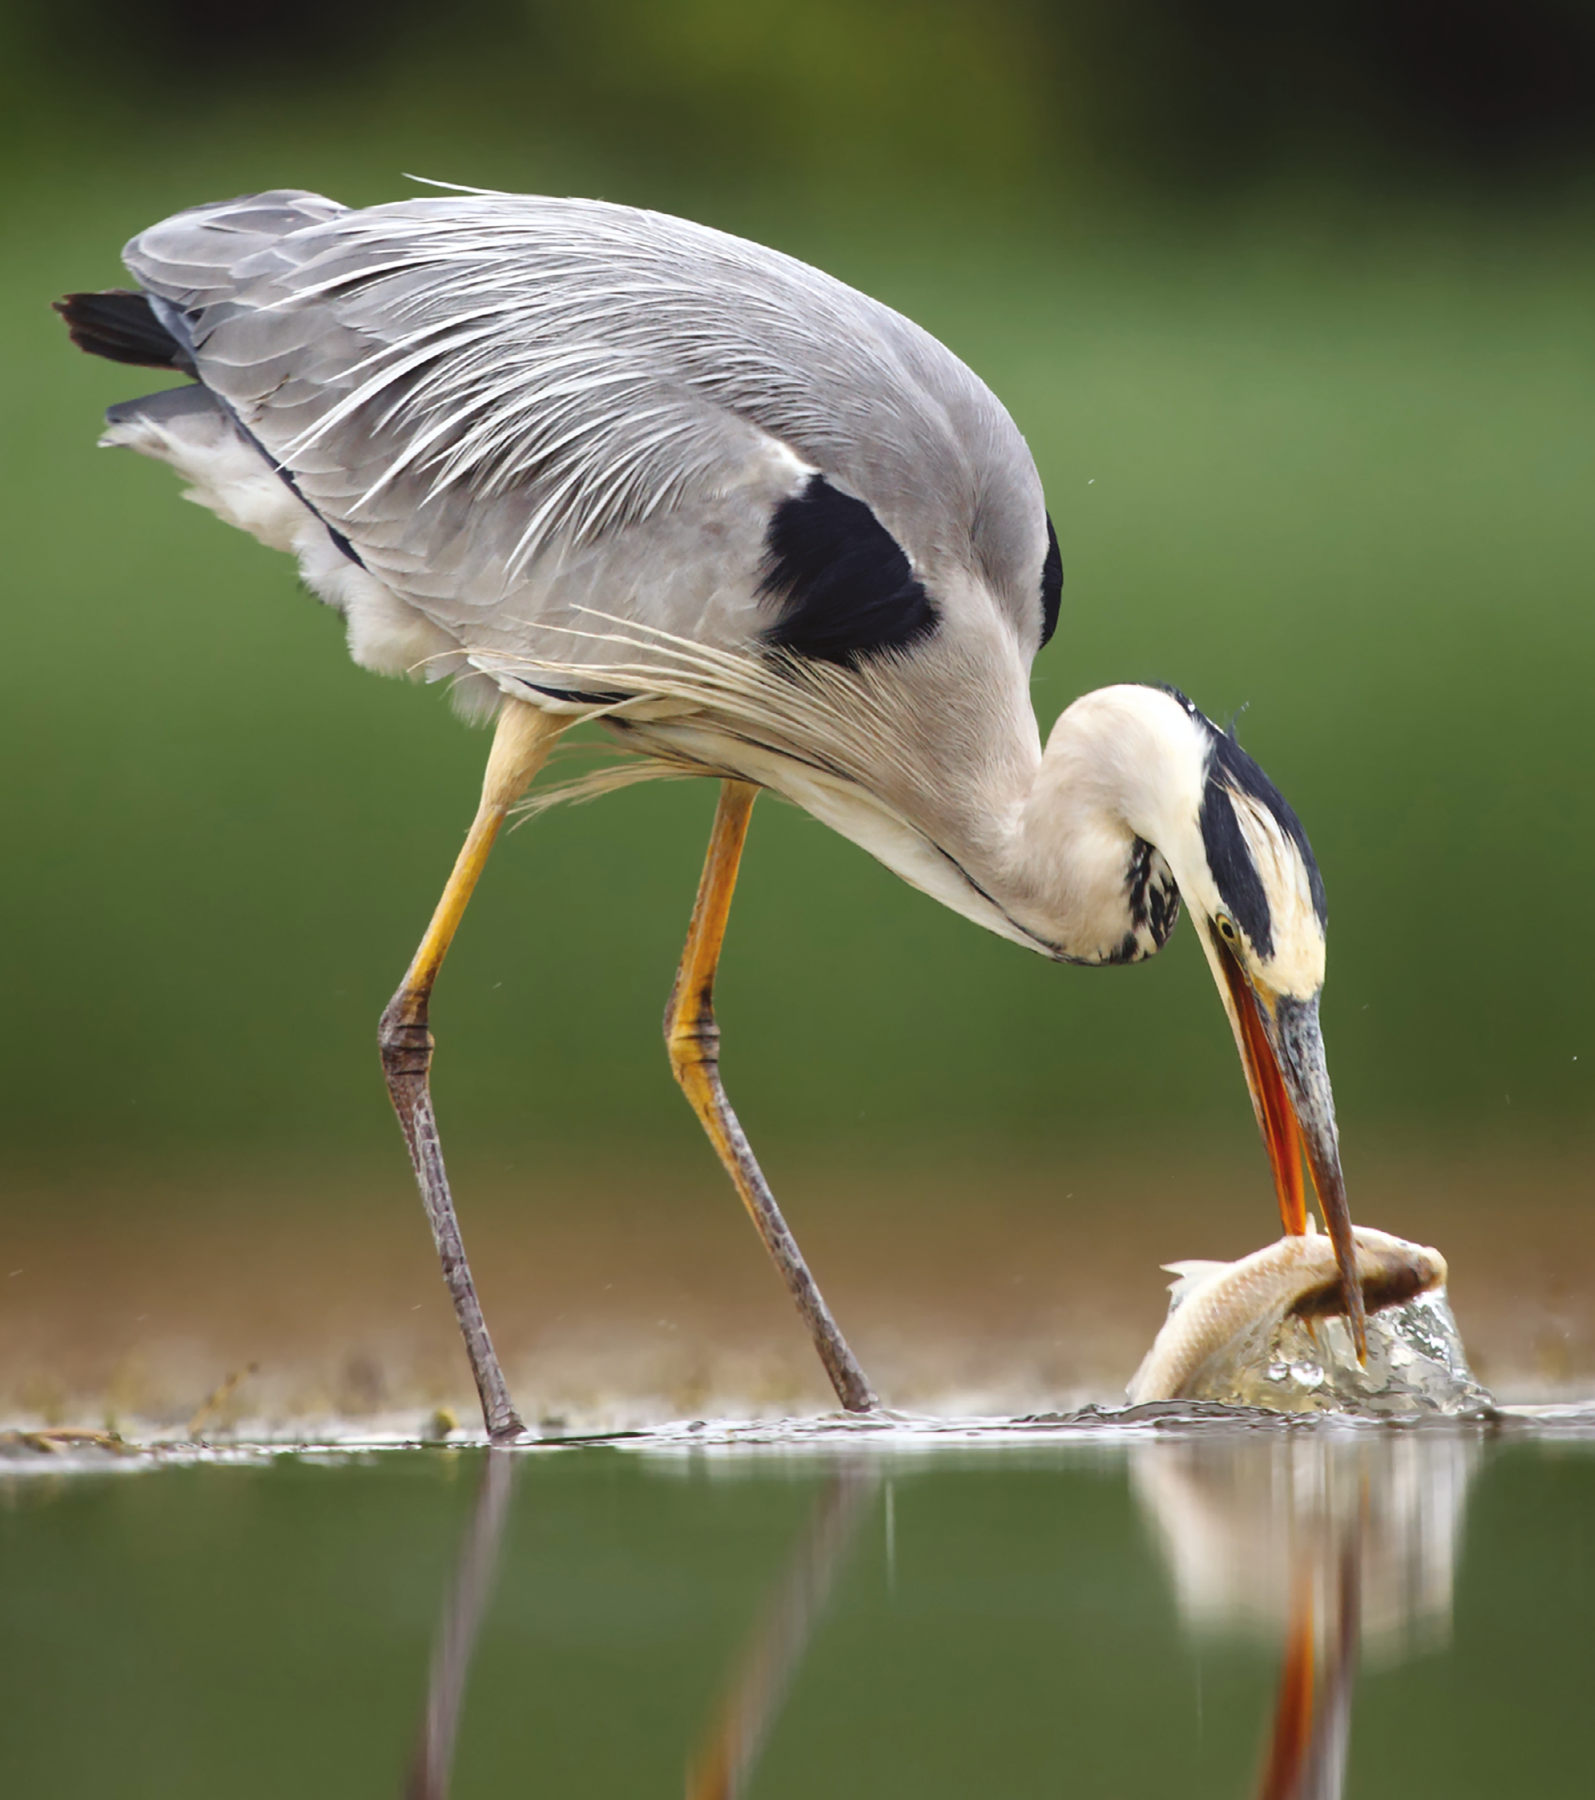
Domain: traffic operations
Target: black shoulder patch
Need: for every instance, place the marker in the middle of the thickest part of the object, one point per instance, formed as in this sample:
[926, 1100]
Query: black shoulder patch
[1051, 585]
[122, 327]
[845, 586]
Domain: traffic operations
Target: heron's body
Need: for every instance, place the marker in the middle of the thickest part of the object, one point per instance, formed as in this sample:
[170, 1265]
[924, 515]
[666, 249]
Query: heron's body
[453, 384]
[585, 460]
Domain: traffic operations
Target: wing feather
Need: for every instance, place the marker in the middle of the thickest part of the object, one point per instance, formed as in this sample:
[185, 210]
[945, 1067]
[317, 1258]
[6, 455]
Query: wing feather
[485, 393]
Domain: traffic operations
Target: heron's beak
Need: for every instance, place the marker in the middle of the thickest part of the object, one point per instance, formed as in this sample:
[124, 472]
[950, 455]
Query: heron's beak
[1282, 1050]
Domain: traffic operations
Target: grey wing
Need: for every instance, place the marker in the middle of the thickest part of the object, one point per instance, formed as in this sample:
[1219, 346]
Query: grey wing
[517, 412]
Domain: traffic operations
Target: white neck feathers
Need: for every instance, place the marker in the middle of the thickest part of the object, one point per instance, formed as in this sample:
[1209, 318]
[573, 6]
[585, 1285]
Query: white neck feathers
[1123, 764]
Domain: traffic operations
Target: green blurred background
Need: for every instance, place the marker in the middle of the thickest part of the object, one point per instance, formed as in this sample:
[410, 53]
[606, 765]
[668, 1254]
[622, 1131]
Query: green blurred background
[1293, 306]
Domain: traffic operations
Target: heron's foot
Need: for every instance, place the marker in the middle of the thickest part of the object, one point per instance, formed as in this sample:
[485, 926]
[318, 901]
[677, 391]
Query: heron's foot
[514, 1433]
[55, 1440]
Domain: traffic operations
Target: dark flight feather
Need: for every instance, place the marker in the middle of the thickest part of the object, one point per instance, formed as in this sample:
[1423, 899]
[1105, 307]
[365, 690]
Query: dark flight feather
[122, 326]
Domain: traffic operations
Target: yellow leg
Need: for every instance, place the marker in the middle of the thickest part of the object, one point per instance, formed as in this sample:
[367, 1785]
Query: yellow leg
[693, 1040]
[521, 744]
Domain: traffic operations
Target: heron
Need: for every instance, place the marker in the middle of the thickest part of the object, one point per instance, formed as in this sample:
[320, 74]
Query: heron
[586, 461]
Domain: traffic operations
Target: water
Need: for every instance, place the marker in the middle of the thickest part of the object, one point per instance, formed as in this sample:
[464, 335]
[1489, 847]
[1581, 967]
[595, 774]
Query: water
[1416, 1363]
[1194, 1609]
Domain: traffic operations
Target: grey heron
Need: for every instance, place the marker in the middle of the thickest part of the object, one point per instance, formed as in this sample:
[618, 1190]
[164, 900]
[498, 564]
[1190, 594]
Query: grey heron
[593, 462]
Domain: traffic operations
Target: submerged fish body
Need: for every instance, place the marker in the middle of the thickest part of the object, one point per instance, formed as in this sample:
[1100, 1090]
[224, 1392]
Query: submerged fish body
[1219, 1310]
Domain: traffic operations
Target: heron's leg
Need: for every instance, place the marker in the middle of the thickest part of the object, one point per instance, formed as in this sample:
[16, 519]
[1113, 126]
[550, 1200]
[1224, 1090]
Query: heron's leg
[522, 742]
[693, 1040]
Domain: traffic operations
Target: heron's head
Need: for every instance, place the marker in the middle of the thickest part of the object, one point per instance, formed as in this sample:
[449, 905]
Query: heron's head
[1196, 815]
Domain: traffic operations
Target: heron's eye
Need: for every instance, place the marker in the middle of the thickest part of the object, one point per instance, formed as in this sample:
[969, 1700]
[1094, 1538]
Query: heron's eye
[1226, 929]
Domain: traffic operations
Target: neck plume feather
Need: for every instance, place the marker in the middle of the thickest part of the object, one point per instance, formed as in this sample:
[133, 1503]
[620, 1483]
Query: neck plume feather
[1046, 851]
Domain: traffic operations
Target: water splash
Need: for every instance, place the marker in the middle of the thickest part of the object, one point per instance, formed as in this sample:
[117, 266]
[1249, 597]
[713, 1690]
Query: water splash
[1416, 1365]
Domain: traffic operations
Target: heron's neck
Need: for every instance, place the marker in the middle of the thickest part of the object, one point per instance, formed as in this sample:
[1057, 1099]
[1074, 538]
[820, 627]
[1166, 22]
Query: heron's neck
[1037, 845]
[1123, 768]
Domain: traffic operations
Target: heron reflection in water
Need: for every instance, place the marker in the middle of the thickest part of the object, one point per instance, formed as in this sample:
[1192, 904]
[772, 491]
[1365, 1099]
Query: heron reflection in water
[765, 1665]
[769, 1658]
[457, 1631]
[1339, 1549]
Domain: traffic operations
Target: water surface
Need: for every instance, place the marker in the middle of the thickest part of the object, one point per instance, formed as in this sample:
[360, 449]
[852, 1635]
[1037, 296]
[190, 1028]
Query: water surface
[1274, 1612]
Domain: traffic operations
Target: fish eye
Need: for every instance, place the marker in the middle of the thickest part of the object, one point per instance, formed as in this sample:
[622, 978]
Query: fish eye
[1226, 928]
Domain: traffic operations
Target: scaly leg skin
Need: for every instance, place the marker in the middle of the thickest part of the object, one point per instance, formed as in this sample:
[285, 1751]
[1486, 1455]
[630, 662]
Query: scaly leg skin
[520, 747]
[693, 1040]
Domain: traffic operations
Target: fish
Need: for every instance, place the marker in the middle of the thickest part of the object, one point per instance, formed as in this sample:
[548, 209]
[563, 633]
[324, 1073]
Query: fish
[1216, 1305]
